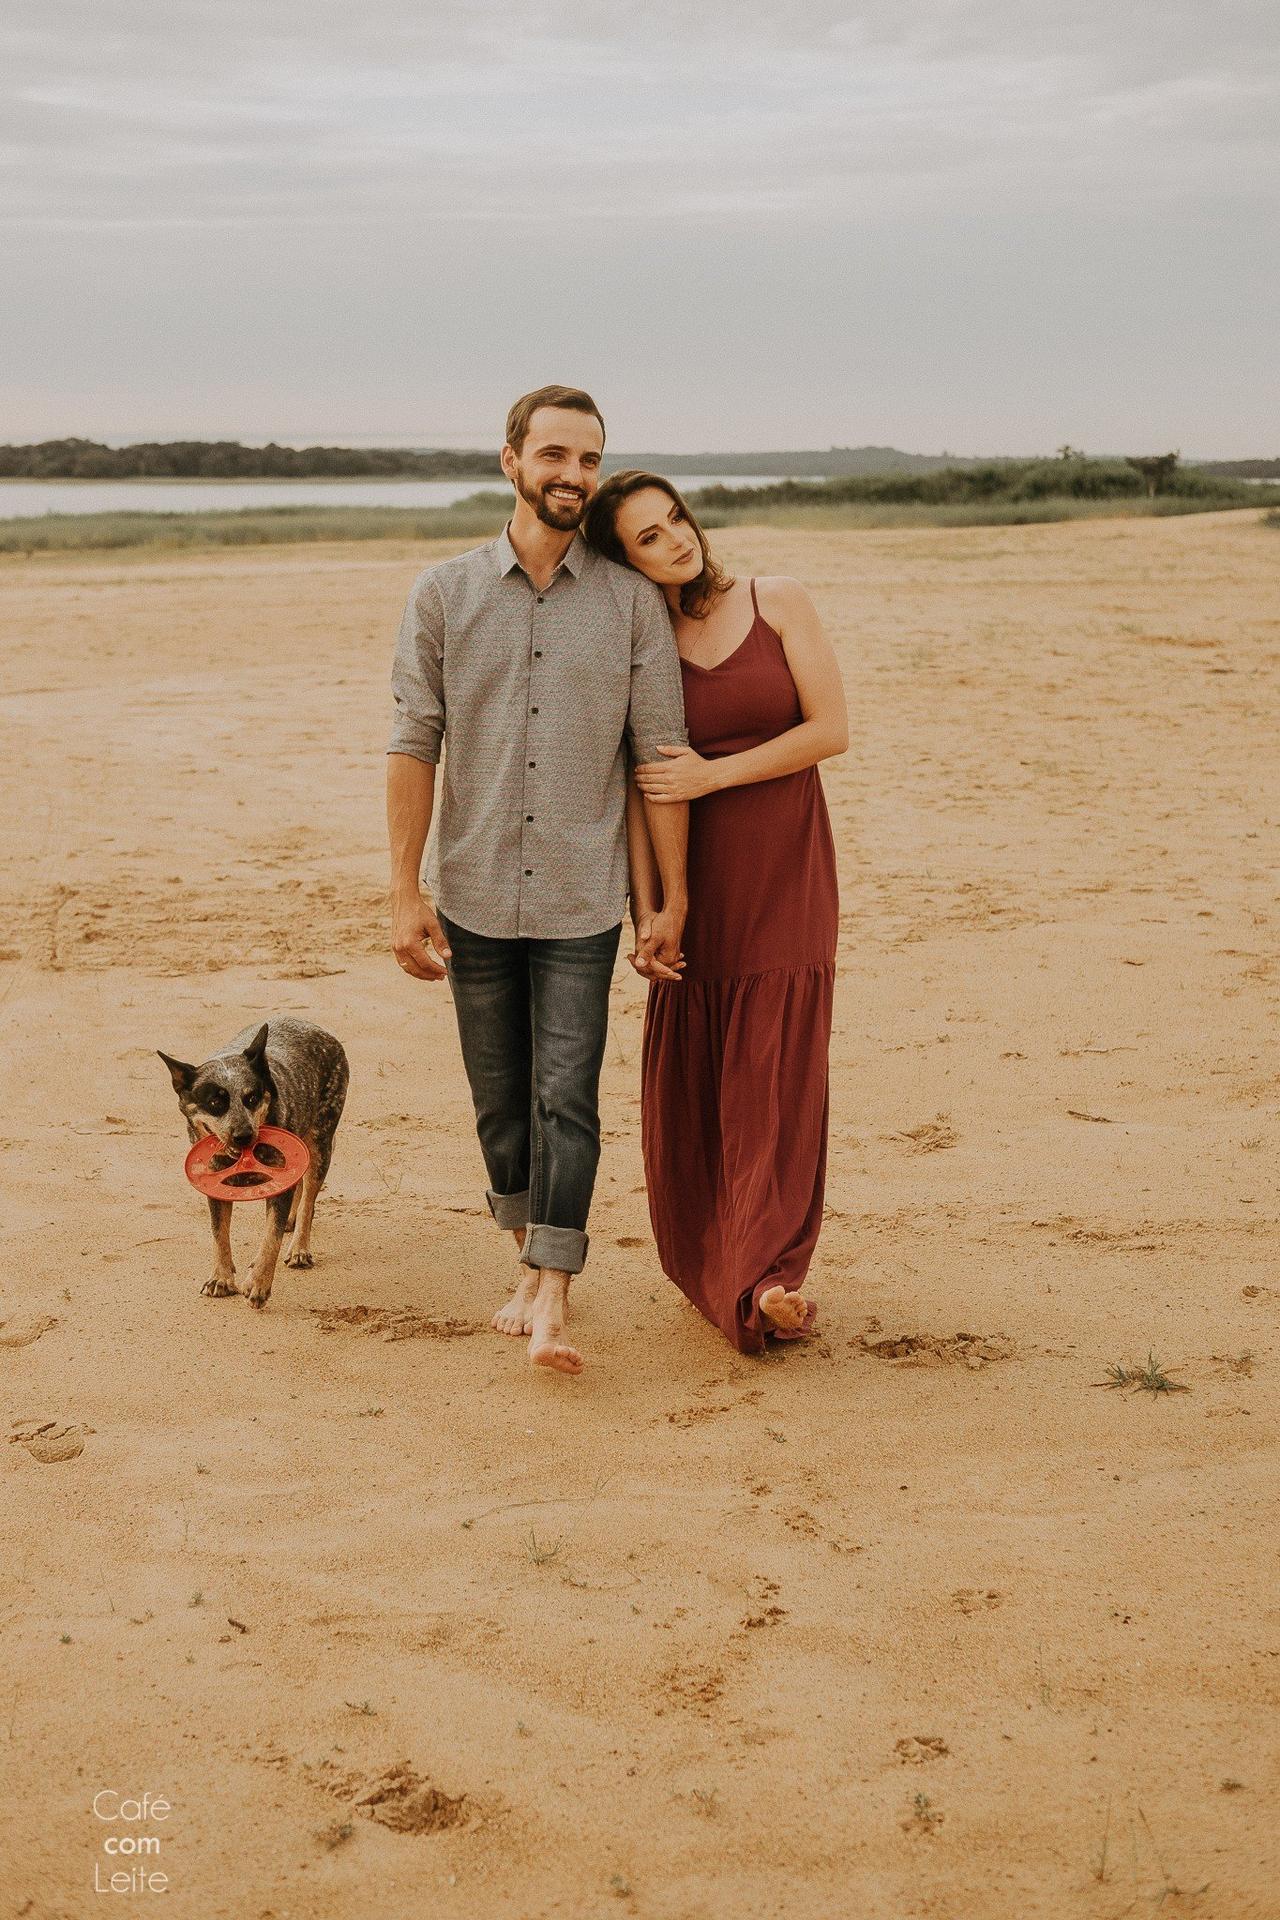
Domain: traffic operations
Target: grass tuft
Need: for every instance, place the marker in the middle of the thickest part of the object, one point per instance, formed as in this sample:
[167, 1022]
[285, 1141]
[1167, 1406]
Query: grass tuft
[1152, 1377]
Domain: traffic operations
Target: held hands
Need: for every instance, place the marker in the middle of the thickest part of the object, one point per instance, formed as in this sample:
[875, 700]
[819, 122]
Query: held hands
[417, 938]
[657, 954]
[682, 774]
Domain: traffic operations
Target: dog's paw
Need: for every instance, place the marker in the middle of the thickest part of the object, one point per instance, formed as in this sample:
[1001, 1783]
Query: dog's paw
[303, 1257]
[258, 1299]
[219, 1286]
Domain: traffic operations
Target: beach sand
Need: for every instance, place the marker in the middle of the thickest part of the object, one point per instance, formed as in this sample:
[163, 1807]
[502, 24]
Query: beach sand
[921, 1618]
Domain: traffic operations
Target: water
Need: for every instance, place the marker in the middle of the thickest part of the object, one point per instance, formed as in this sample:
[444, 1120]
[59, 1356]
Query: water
[23, 498]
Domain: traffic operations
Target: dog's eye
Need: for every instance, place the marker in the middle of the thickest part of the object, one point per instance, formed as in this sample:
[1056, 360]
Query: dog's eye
[211, 1099]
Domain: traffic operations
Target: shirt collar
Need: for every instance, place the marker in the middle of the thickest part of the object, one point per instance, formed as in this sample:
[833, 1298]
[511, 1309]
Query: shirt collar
[505, 554]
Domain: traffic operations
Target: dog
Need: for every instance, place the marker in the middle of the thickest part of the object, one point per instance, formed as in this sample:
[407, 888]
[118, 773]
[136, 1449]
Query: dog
[285, 1073]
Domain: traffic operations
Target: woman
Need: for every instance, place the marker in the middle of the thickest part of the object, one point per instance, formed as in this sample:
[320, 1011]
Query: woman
[734, 1063]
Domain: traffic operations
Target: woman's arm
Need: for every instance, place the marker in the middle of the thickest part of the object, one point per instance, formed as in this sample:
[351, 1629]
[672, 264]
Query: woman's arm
[683, 774]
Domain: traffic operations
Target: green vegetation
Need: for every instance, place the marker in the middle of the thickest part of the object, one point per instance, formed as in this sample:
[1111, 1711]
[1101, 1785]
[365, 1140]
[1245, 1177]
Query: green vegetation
[479, 515]
[986, 493]
[229, 460]
[1152, 1378]
[1006, 483]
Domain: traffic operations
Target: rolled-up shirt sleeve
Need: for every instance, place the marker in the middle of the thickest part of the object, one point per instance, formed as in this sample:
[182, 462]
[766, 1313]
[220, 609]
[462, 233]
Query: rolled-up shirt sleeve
[417, 674]
[655, 716]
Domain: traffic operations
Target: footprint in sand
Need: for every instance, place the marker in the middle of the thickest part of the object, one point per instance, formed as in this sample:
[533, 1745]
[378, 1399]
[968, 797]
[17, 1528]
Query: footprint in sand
[21, 1332]
[768, 1618]
[397, 1797]
[801, 1521]
[931, 1136]
[976, 1599]
[973, 1350]
[393, 1323]
[692, 1689]
[50, 1440]
[916, 1748]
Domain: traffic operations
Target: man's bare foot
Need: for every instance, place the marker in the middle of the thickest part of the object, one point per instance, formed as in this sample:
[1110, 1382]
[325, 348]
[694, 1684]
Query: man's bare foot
[516, 1315]
[546, 1348]
[785, 1312]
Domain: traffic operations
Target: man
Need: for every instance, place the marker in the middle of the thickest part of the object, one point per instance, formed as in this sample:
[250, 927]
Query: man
[538, 664]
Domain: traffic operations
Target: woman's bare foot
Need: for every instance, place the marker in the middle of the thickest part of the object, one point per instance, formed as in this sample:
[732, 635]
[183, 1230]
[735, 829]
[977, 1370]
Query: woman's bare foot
[785, 1312]
[516, 1315]
[546, 1348]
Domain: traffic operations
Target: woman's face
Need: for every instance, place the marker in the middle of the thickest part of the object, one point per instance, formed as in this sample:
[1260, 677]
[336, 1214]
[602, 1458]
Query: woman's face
[657, 537]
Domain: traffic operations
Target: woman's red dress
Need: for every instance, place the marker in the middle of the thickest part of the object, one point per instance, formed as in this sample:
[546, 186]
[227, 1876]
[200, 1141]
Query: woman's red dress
[734, 1089]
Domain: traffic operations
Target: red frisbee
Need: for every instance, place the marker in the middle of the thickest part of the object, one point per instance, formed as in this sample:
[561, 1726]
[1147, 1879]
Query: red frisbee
[275, 1162]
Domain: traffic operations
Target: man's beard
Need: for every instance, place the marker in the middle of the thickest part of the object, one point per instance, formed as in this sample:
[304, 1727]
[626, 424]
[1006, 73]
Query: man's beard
[565, 518]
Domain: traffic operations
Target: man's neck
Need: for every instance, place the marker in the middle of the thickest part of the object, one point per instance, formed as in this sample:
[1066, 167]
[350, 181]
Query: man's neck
[537, 547]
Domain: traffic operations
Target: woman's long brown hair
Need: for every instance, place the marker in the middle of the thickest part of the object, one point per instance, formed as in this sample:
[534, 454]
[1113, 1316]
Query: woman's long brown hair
[698, 596]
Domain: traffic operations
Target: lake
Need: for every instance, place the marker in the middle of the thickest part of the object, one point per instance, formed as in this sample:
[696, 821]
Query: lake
[20, 499]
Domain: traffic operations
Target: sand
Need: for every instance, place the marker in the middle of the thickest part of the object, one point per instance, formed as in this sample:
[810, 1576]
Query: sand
[922, 1618]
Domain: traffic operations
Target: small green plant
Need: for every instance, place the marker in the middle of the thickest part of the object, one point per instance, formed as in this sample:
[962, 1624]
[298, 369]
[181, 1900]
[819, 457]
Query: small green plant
[705, 1801]
[924, 1815]
[66, 1639]
[543, 1554]
[197, 1598]
[360, 1706]
[1152, 1378]
[619, 1886]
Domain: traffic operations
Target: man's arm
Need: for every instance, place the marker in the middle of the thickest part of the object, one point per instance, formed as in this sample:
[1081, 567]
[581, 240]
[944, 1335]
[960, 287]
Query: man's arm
[417, 684]
[669, 834]
[415, 925]
[646, 890]
[655, 718]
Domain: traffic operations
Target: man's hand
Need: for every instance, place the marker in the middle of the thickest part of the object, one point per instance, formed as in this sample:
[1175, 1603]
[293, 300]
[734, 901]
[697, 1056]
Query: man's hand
[417, 938]
[656, 955]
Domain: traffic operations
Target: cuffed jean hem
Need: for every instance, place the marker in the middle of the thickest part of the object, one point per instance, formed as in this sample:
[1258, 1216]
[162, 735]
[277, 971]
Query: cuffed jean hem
[564, 1249]
[509, 1209]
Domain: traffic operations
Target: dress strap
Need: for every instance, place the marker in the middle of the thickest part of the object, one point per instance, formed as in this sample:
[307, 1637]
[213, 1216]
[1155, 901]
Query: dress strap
[754, 602]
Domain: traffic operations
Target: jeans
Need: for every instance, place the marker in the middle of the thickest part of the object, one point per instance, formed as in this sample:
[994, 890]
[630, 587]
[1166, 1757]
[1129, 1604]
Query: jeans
[532, 1018]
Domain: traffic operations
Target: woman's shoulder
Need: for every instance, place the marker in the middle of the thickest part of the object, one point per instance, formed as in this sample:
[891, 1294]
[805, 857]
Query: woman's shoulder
[779, 597]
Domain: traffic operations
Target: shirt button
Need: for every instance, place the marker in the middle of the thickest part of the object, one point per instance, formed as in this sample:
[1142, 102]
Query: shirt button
[541, 598]
[528, 873]
[537, 653]
[533, 763]
[528, 816]
[533, 709]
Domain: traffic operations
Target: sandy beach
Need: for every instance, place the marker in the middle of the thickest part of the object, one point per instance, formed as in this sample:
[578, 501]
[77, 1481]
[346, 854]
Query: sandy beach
[921, 1620]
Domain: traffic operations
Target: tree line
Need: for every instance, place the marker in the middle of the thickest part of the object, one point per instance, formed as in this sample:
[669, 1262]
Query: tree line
[1072, 475]
[229, 460]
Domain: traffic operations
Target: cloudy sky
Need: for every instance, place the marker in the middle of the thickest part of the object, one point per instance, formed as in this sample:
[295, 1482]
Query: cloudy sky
[972, 225]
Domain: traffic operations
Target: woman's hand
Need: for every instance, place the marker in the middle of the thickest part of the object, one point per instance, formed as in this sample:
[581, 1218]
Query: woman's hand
[681, 775]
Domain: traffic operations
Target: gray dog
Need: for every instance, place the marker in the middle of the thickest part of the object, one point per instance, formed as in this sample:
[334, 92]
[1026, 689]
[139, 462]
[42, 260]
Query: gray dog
[286, 1073]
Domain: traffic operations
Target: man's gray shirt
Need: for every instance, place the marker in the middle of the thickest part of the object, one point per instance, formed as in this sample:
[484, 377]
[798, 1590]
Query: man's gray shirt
[536, 698]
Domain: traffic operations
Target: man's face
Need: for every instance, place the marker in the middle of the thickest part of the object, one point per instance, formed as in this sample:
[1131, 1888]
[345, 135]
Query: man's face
[558, 468]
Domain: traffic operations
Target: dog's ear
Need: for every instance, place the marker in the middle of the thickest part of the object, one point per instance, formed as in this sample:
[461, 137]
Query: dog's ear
[256, 1051]
[179, 1072]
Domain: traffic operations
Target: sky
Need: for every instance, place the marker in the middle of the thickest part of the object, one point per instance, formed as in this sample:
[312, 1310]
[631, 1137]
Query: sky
[974, 226]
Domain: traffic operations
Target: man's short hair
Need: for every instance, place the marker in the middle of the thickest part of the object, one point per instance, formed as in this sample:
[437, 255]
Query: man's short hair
[527, 405]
